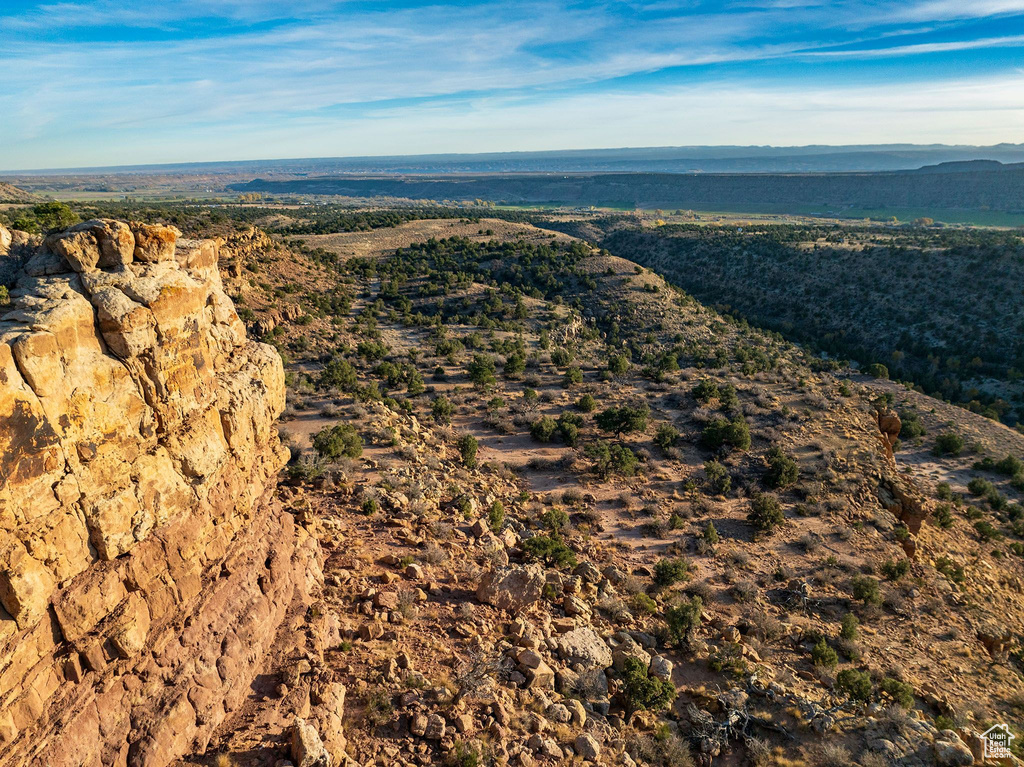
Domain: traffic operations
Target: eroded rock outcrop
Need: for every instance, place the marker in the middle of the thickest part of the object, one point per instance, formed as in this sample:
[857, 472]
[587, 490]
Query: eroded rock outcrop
[144, 565]
[897, 493]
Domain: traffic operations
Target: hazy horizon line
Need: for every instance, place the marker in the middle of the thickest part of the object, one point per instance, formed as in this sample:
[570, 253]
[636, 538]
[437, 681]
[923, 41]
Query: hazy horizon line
[856, 148]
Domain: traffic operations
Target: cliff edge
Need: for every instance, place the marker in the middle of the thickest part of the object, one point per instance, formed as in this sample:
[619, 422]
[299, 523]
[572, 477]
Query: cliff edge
[144, 565]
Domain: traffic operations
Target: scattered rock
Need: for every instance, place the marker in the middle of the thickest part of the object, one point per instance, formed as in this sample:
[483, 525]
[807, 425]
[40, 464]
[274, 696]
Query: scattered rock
[950, 751]
[512, 588]
[588, 747]
[307, 748]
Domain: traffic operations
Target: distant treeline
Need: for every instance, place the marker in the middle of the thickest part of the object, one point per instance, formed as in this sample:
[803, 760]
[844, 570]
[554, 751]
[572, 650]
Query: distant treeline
[977, 187]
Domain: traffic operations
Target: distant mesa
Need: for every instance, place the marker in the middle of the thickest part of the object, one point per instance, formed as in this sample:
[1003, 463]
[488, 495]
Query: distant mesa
[978, 184]
[969, 166]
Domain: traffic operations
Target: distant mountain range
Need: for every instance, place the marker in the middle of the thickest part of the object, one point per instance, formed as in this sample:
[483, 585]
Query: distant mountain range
[686, 159]
[970, 185]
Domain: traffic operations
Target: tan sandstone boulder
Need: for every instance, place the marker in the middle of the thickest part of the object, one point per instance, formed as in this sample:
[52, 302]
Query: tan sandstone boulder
[512, 588]
[154, 242]
[81, 250]
[114, 238]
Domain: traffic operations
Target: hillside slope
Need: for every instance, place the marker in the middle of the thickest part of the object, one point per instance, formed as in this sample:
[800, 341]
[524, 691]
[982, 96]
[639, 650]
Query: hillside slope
[12, 194]
[939, 308]
[492, 589]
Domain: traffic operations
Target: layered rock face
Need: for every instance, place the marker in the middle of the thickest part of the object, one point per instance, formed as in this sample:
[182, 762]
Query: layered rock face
[144, 565]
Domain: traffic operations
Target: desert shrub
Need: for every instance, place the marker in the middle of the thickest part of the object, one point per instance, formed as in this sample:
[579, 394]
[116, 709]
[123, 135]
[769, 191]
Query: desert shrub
[666, 436]
[543, 429]
[765, 512]
[670, 571]
[832, 755]
[586, 404]
[718, 478]
[1010, 466]
[643, 604]
[611, 460]
[372, 351]
[759, 752]
[618, 364]
[481, 371]
[782, 470]
[414, 383]
[378, 709]
[729, 659]
[338, 441]
[683, 620]
[943, 516]
[980, 486]
[744, 591]
[823, 655]
[467, 449]
[710, 535]
[987, 531]
[573, 376]
[849, 627]
[854, 684]
[496, 516]
[721, 432]
[572, 497]
[550, 550]
[948, 443]
[642, 691]
[569, 428]
[727, 397]
[432, 555]
[877, 370]
[339, 373]
[950, 569]
[894, 570]
[705, 391]
[463, 754]
[901, 692]
[865, 588]
[554, 520]
[623, 420]
[515, 366]
[442, 409]
[911, 427]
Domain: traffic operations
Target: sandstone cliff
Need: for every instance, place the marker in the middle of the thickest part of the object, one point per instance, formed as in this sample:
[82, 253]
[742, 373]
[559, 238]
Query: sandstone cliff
[144, 566]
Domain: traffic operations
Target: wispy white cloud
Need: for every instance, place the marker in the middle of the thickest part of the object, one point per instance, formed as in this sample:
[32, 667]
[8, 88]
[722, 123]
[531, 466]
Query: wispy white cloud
[109, 77]
[1013, 41]
[936, 10]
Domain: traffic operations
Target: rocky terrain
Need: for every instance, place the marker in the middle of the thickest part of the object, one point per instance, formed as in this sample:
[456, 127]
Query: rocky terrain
[538, 506]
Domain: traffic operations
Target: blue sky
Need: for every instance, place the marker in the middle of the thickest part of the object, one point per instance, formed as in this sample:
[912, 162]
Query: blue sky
[111, 82]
